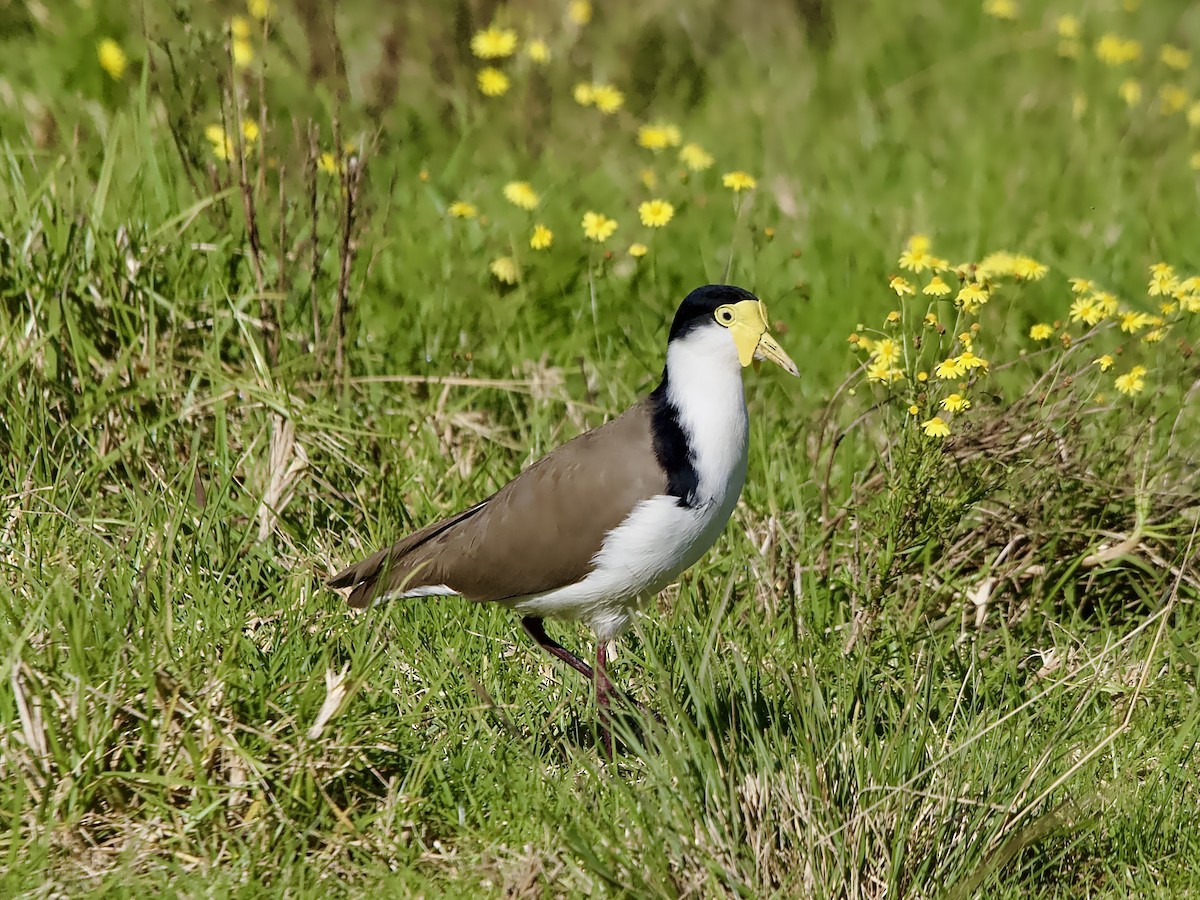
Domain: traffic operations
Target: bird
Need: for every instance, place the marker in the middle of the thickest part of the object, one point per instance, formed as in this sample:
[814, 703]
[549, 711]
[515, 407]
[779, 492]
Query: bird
[602, 523]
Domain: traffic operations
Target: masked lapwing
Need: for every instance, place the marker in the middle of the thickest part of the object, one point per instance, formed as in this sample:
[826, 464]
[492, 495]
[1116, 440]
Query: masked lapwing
[608, 519]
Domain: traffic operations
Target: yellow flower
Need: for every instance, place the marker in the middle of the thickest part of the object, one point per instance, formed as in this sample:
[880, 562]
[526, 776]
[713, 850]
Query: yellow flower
[637, 250]
[913, 409]
[584, 94]
[900, 286]
[505, 269]
[893, 317]
[461, 209]
[522, 194]
[1171, 99]
[886, 351]
[112, 58]
[327, 163]
[738, 181]
[494, 43]
[1105, 362]
[916, 257]
[955, 403]
[1081, 286]
[1132, 382]
[936, 288]
[607, 98]
[881, 371]
[922, 377]
[1130, 91]
[260, 9]
[968, 360]
[598, 227]
[1162, 280]
[1174, 57]
[1028, 269]
[1133, 322]
[1114, 50]
[1194, 160]
[580, 11]
[1041, 332]
[658, 136]
[695, 157]
[655, 213]
[1193, 115]
[250, 130]
[538, 51]
[949, 369]
[492, 82]
[931, 320]
[541, 238]
[1000, 9]
[971, 296]
[936, 427]
[1153, 337]
[996, 265]
[1106, 303]
[1068, 27]
[1084, 309]
[239, 27]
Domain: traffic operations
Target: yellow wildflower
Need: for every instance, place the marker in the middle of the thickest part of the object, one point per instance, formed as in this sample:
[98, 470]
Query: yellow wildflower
[968, 360]
[260, 9]
[494, 43]
[1084, 309]
[637, 250]
[112, 58]
[1081, 286]
[1171, 99]
[1000, 9]
[522, 194]
[461, 209]
[1105, 362]
[1130, 91]
[1174, 57]
[931, 320]
[936, 427]
[584, 93]
[900, 286]
[239, 27]
[505, 269]
[655, 213]
[1067, 27]
[1193, 115]
[1133, 322]
[1153, 337]
[1132, 382]
[1040, 332]
[492, 82]
[738, 181]
[949, 369]
[913, 409]
[328, 164]
[580, 11]
[893, 317]
[1114, 50]
[1162, 280]
[1106, 303]
[936, 288]
[1028, 269]
[886, 350]
[648, 178]
[996, 265]
[242, 52]
[695, 157]
[955, 403]
[538, 51]
[653, 137]
[541, 238]
[597, 226]
[971, 296]
[922, 377]
[607, 98]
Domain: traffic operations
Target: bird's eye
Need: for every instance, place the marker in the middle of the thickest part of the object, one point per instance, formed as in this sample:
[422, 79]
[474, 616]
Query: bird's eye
[725, 315]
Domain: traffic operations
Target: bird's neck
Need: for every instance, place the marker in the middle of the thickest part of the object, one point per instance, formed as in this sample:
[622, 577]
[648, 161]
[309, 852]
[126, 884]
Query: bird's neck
[700, 424]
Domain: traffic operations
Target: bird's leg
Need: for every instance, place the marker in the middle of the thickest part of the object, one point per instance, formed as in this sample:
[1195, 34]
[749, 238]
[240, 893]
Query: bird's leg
[533, 625]
[604, 690]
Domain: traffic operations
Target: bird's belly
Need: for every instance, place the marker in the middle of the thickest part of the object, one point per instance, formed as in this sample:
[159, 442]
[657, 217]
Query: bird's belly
[650, 549]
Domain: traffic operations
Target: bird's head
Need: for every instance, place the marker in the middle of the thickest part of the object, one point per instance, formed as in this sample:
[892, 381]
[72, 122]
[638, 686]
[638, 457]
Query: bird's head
[718, 311]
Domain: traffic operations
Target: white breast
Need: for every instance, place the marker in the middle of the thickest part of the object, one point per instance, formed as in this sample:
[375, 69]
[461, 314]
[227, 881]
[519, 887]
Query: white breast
[661, 538]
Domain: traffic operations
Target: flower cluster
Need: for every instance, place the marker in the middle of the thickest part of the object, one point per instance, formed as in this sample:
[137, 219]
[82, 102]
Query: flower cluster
[927, 356]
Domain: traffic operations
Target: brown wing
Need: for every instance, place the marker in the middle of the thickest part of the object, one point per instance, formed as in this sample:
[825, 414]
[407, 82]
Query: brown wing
[537, 533]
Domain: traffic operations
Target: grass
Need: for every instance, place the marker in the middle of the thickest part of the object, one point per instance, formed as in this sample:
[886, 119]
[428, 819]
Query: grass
[190, 443]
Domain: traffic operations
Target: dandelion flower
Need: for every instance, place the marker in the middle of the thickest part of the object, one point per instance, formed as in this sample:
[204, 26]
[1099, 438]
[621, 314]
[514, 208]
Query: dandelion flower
[955, 403]
[112, 58]
[1040, 332]
[607, 98]
[900, 286]
[936, 288]
[1105, 362]
[949, 369]
[1132, 382]
[597, 226]
[461, 209]
[637, 251]
[541, 238]
[1174, 57]
[494, 43]
[522, 194]
[738, 181]
[695, 157]
[580, 11]
[538, 51]
[1000, 9]
[936, 427]
[505, 269]
[492, 82]
[655, 213]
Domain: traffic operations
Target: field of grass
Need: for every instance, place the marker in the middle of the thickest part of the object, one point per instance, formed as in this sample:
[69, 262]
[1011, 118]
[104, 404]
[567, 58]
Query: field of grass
[247, 338]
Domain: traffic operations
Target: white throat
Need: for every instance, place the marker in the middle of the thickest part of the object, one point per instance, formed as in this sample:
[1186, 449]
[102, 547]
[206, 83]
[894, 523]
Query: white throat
[704, 383]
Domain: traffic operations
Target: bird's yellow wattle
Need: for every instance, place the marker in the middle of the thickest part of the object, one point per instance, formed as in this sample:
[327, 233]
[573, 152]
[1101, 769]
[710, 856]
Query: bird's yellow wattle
[752, 339]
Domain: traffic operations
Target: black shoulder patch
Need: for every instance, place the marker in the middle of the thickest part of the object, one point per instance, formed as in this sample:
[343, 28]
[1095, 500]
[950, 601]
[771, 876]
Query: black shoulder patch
[671, 447]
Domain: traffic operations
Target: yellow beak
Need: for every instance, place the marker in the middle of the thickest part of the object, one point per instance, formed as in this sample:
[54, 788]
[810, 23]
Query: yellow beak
[752, 339]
